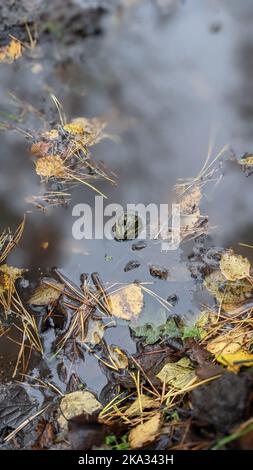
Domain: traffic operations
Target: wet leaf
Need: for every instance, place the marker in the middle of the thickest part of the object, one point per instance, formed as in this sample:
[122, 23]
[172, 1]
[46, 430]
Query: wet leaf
[45, 295]
[191, 332]
[228, 292]
[146, 403]
[89, 131]
[234, 267]
[40, 148]
[152, 333]
[246, 160]
[75, 404]
[226, 344]
[235, 360]
[145, 433]
[11, 52]
[95, 332]
[178, 374]
[119, 357]
[50, 135]
[127, 303]
[50, 166]
[15, 405]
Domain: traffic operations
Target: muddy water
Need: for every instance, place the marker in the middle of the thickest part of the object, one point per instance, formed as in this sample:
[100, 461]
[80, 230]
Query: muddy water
[166, 83]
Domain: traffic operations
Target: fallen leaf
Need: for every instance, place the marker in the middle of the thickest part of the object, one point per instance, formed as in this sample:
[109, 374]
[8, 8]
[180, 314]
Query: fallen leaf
[50, 135]
[145, 433]
[45, 295]
[11, 52]
[89, 131]
[234, 267]
[49, 166]
[95, 332]
[146, 403]
[127, 303]
[226, 344]
[75, 404]
[40, 148]
[227, 292]
[234, 361]
[152, 333]
[246, 160]
[119, 358]
[10, 275]
[178, 374]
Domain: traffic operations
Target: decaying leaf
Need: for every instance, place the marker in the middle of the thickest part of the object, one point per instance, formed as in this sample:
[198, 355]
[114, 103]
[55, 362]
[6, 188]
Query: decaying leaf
[234, 267]
[227, 292]
[89, 131]
[11, 52]
[51, 165]
[95, 332]
[246, 160]
[191, 218]
[127, 303]
[178, 374]
[45, 294]
[145, 433]
[235, 360]
[119, 358]
[74, 404]
[41, 148]
[143, 402]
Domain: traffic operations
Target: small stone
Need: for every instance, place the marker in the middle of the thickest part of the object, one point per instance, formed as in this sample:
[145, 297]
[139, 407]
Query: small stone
[139, 245]
[132, 265]
[159, 271]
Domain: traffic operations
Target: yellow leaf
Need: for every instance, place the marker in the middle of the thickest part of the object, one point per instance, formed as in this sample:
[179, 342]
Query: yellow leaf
[234, 267]
[228, 292]
[119, 358]
[145, 433]
[90, 131]
[146, 403]
[74, 404]
[226, 344]
[178, 374]
[45, 295]
[10, 275]
[11, 52]
[50, 135]
[127, 303]
[50, 166]
[234, 361]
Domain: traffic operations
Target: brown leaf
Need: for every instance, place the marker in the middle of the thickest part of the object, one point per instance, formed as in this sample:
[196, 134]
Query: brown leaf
[127, 303]
[145, 433]
[45, 295]
[11, 52]
[49, 166]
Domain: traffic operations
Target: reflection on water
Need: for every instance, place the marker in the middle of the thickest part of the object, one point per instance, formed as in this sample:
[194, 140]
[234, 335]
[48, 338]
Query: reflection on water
[165, 83]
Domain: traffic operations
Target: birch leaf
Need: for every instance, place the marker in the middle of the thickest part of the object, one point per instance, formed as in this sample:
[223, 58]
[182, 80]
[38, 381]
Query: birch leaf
[127, 303]
[119, 357]
[234, 361]
[178, 374]
[145, 402]
[46, 295]
[74, 404]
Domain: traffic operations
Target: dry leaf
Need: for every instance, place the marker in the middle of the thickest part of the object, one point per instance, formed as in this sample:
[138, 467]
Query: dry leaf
[50, 166]
[145, 433]
[45, 295]
[178, 374]
[234, 267]
[226, 344]
[127, 303]
[89, 131]
[146, 403]
[74, 404]
[119, 358]
[11, 52]
[50, 135]
[40, 148]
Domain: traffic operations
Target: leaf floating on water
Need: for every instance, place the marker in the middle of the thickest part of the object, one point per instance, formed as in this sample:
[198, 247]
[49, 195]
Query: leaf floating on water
[119, 358]
[145, 433]
[95, 332]
[74, 404]
[46, 295]
[152, 333]
[178, 374]
[49, 166]
[11, 52]
[127, 303]
[145, 402]
[234, 267]
[90, 131]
